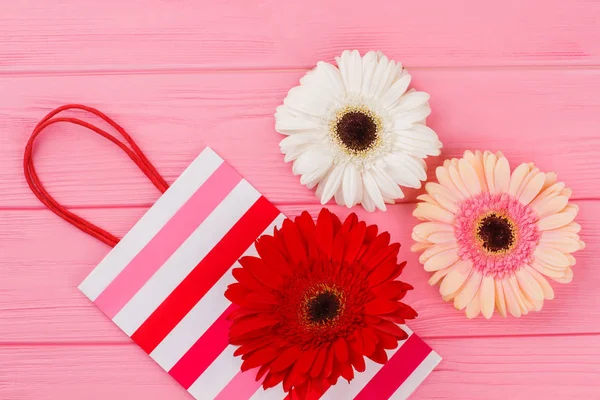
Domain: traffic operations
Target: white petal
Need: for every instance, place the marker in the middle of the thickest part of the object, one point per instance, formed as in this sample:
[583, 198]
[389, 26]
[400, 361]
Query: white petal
[350, 65]
[468, 292]
[501, 176]
[532, 189]
[487, 296]
[370, 187]
[308, 101]
[332, 182]
[367, 202]
[389, 188]
[405, 120]
[351, 185]
[394, 92]
[289, 122]
[410, 101]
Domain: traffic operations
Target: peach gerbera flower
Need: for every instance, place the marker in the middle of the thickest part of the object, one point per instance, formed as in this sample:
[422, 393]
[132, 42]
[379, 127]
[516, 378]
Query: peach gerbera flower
[493, 237]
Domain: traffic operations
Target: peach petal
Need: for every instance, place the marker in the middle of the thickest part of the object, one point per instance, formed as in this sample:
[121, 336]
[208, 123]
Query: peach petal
[442, 237]
[517, 178]
[426, 229]
[441, 260]
[551, 256]
[476, 161]
[532, 189]
[528, 284]
[435, 278]
[436, 189]
[418, 247]
[546, 270]
[549, 193]
[566, 278]
[564, 245]
[514, 285]
[502, 175]
[550, 180]
[544, 285]
[435, 249]
[500, 299]
[487, 296]
[456, 278]
[489, 167]
[555, 221]
[551, 206]
[430, 212]
[533, 171]
[469, 290]
[443, 176]
[447, 203]
[469, 177]
[512, 303]
[458, 182]
[474, 307]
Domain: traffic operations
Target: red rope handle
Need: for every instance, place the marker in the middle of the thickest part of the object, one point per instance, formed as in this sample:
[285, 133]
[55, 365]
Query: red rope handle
[134, 152]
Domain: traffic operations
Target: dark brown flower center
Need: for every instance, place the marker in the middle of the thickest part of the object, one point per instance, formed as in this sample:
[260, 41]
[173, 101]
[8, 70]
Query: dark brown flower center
[357, 131]
[323, 307]
[496, 233]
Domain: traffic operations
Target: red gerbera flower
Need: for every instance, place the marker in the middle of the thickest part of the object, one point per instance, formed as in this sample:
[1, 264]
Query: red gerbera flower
[317, 300]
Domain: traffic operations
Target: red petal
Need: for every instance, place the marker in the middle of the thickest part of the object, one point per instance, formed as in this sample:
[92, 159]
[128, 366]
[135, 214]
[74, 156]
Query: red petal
[391, 328]
[260, 357]
[287, 358]
[379, 355]
[371, 233]
[349, 223]
[293, 242]
[262, 371]
[236, 293]
[293, 378]
[390, 252]
[337, 224]
[369, 341]
[379, 244]
[324, 233]
[273, 379]
[306, 225]
[245, 277]
[371, 319]
[301, 392]
[407, 311]
[329, 361]
[253, 345]
[319, 362]
[337, 252]
[382, 273]
[241, 312]
[316, 389]
[263, 273]
[245, 337]
[358, 361]
[355, 345]
[347, 371]
[393, 290]
[272, 257]
[354, 242]
[386, 340]
[305, 361]
[341, 350]
[380, 306]
[265, 298]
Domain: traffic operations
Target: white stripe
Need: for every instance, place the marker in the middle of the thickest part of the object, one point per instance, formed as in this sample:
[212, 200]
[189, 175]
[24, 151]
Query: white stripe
[345, 390]
[201, 317]
[417, 377]
[217, 375]
[148, 226]
[186, 257]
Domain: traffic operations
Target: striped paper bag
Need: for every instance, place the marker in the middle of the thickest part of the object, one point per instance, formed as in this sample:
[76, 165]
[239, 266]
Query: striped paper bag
[163, 285]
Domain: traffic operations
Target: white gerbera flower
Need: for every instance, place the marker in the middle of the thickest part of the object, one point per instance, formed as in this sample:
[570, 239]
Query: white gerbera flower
[355, 132]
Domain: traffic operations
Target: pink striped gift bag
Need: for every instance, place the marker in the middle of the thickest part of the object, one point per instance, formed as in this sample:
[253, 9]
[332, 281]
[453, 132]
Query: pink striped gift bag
[163, 285]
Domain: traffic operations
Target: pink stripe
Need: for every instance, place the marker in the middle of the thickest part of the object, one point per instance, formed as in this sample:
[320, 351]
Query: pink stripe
[204, 351]
[242, 386]
[393, 374]
[168, 240]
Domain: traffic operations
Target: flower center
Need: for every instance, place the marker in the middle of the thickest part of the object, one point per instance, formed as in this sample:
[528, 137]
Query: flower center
[322, 305]
[356, 129]
[496, 233]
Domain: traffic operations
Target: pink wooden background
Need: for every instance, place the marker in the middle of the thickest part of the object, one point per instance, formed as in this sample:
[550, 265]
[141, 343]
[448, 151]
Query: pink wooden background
[520, 76]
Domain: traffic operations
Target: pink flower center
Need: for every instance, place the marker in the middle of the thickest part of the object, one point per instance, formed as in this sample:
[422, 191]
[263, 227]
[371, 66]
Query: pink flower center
[497, 233]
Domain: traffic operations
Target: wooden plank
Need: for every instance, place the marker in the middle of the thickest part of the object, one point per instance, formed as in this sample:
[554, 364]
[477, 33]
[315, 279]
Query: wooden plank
[155, 34]
[44, 260]
[532, 115]
[564, 367]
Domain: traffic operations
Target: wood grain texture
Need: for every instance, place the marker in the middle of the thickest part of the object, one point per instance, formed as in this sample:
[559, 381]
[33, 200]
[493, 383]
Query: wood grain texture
[549, 367]
[156, 34]
[520, 76]
[53, 271]
[174, 116]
